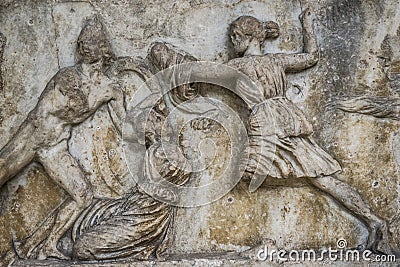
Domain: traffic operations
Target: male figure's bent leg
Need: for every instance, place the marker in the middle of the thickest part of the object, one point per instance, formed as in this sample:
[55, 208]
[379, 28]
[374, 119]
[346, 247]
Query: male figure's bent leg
[65, 171]
[16, 155]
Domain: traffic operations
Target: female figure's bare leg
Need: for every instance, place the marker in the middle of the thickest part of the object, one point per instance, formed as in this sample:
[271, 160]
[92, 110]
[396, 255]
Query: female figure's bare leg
[65, 171]
[351, 199]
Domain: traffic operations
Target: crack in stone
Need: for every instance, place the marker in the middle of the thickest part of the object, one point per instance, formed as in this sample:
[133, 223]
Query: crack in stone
[55, 36]
[3, 41]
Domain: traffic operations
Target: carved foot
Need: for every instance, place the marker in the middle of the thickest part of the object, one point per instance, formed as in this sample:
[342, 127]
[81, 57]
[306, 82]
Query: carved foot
[378, 240]
[51, 251]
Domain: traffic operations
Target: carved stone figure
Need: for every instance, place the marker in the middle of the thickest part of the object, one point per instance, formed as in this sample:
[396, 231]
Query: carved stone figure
[277, 127]
[135, 223]
[163, 56]
[280, 136]
[287, 149]
[136, 226]
[71, 96]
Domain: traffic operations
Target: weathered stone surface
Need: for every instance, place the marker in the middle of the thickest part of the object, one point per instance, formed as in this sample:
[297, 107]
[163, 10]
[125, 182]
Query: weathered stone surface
[203, 260]
[358, 56]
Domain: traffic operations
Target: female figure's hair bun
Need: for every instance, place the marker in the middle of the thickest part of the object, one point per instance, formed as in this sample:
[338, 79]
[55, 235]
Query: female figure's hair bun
[251, 26]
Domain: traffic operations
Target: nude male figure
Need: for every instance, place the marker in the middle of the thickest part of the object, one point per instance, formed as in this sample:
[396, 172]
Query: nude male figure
[71, 96]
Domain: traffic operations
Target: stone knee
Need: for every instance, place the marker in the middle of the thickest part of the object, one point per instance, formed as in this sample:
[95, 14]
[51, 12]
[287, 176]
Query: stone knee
[66, 172]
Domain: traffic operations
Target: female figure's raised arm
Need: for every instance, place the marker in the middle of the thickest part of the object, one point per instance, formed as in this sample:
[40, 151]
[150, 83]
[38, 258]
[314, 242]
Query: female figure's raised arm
[310, 55]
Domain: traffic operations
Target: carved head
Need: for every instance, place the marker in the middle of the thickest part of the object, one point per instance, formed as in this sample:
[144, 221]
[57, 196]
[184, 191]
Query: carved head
[247, 28]
[159, 55]
[93, 44]
[163, 56]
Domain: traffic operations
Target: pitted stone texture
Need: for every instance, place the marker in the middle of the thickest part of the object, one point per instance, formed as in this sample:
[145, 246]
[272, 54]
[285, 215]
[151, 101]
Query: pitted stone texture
[40, 38]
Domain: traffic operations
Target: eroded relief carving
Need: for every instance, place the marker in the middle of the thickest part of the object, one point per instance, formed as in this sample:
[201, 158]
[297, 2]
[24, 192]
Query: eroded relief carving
[133, 226]
[137, 224]
[71, 96]
[281, 145]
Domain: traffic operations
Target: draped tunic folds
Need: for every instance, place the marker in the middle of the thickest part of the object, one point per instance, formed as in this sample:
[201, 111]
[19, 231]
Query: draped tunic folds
[136, 225]
[280, 141]
[133, 226]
